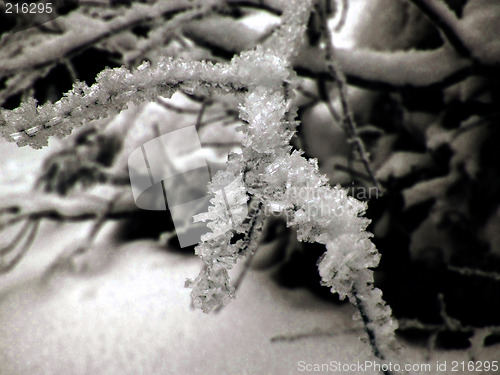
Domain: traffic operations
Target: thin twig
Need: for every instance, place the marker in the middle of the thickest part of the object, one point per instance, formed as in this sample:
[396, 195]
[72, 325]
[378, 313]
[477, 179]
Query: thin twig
[328, 101]
[101, 220]
[352, 172]
[15, 241]
[307, 93]
[449, 324]
[256, 4]
[348, 120]
[175, 108]
[201, 112]
[8, 266]
[168, 162]
[67, 259]
[466, 271]
[251, 238]
[343, 15]
[443, 18]
[220, 144]
[71, 69]
[228, 120]
[312, 334]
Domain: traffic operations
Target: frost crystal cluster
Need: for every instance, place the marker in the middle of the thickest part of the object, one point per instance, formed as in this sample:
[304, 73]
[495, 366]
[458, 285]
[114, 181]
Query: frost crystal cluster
[273, 178]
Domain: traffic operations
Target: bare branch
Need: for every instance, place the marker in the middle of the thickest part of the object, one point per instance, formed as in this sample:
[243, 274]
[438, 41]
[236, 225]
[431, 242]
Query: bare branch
[175, 108]
[6, 266]
[348, 118]
[317, 332]
[200, 114]
[343, 15]
[14, 242]
[40, 205]
[67, 260]
[256, 4]
[465, 271]
[445, 20]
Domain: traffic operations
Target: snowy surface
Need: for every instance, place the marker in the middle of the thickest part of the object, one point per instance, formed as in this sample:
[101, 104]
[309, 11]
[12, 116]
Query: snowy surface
[128, 313]
[126, 310]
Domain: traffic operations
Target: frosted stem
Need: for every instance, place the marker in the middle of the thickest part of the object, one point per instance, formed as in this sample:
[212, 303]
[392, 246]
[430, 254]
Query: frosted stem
[372, 339]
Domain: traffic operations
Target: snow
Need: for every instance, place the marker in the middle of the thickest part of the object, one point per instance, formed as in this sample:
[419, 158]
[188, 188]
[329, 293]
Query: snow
[480, 28]
[128, 313]
[402, 68]
[132, 315]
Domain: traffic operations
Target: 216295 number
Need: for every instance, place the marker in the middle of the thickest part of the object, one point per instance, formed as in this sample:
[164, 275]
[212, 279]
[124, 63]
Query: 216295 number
[28, 8]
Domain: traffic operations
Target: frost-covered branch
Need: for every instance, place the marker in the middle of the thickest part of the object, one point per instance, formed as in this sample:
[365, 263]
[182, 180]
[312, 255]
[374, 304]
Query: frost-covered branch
[67, 260]
[21, 82]
[264, 110]
[163, 32]
[282, 180]
[113, 91]
[43, 206]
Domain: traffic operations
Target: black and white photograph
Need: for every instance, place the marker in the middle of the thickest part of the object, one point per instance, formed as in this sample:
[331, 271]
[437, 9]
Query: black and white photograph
[249, 187]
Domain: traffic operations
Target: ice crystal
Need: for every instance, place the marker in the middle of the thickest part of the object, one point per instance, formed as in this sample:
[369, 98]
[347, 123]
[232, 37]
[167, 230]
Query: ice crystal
[211, 288]
[269, 171]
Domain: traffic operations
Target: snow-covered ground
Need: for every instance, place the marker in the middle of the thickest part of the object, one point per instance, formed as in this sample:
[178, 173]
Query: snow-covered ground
[130, 313]
[127, 312]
